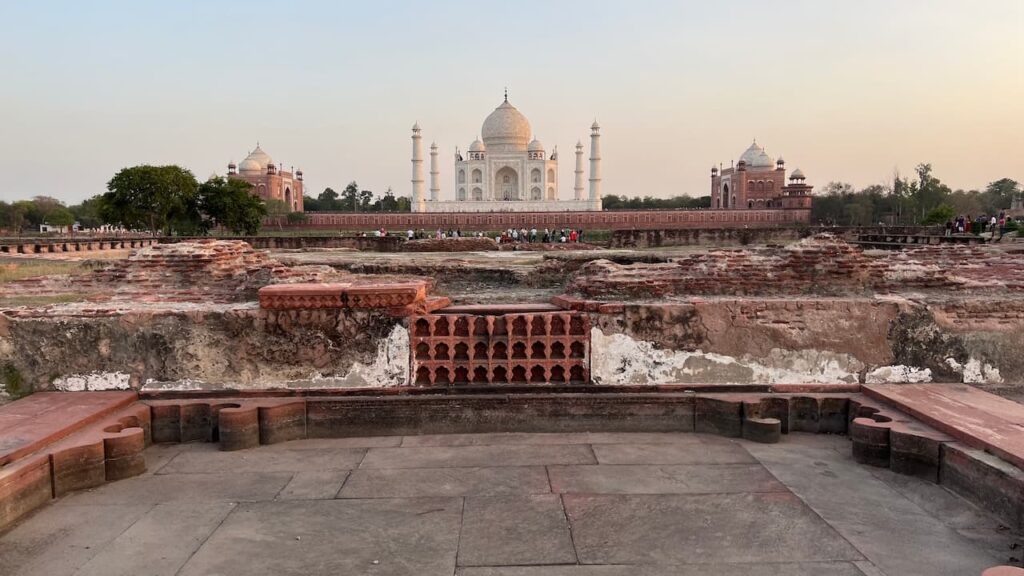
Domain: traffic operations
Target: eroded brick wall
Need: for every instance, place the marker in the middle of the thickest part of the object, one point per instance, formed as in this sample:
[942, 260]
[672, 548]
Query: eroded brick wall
[820, 265]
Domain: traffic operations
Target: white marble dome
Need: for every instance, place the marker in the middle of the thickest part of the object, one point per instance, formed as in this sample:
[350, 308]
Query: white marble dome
[256, 161]
[477, 146]
[250, 166]
[756, 157]
[535, 146]
[506, 128]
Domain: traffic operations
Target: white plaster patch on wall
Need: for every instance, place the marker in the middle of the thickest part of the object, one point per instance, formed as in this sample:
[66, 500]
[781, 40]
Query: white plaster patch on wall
[93, 381]
[898, 374]
[620, 359]
[389, 368]
[976, 372]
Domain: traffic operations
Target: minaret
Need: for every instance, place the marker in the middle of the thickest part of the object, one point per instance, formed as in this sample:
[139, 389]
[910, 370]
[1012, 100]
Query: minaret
[435, 182]
[595, 166]
[418, 202]
[578, 188]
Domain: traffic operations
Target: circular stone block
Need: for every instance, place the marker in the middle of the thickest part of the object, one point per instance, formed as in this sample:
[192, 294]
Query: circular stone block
[764, 430]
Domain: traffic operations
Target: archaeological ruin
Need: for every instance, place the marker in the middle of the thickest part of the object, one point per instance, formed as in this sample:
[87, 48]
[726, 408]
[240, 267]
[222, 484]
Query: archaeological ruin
[902, 355]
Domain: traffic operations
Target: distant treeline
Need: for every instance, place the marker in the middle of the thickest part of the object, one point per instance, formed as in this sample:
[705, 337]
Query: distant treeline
[651, 203]
[352, 199]
[924, 200]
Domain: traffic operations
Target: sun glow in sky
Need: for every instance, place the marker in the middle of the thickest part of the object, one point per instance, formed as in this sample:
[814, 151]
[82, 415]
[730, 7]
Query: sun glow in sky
[846, 91]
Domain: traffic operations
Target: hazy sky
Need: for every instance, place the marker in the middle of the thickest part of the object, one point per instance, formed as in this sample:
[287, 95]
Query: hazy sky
[843, 90]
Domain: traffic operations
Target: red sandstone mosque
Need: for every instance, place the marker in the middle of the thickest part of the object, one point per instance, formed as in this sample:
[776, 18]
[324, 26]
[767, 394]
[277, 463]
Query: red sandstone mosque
[268, 181]
[757, 182]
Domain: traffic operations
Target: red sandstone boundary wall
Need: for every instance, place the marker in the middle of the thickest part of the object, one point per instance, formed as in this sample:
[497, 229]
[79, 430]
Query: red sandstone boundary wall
[608, 220]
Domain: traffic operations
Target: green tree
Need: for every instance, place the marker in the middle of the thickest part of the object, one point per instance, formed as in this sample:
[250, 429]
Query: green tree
[387, 203]
[327, 201]
[365, 200]
[311, 204]
[296, 217]
[278, 210]
[999, 194]
[229, 202]
[87, 213]
[350, 197]
[60, 216]
[154, 198]
[940, 214]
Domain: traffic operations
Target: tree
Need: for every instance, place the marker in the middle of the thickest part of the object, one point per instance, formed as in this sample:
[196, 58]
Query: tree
[153, 198]
[387, 203]
[278, 210]
[365, 199]
[998, 195]
[229, 202]
[940, 214]
[328, 195]
[296, 217]
[60, 216]
[327, 201]
[87, 213]
[350, 197]
[311, 204]
[12, 216]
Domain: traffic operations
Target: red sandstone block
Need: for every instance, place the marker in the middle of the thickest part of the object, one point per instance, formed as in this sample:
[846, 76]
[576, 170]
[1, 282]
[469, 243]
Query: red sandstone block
[302, 296]
[239, 428]
[612, 308]
[567, 302]
[78, 467]
[915, 450]
[720, 416]
[428, 306]
[24, 486]
[166, 422]
[123, 454]
[984, 479]
[282, 422]
[196, 423]
[385, 295]
[1003, 571]
[870, 442]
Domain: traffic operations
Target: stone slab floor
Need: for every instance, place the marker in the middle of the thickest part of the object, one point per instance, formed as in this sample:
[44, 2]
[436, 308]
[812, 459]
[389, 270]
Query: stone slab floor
[511, 505]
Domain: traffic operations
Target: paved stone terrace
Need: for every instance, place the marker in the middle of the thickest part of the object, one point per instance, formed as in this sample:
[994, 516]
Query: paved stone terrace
[596, 504]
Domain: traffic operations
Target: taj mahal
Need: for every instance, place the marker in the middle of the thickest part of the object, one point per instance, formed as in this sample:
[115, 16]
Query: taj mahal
[506, 170]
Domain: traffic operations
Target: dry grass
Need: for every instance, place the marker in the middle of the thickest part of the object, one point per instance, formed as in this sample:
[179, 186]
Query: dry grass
[41, 300]
[11, 271]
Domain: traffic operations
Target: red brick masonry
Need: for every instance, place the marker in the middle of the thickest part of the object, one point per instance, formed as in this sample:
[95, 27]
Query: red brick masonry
[342, 295]
[532, 347]
[612, 220]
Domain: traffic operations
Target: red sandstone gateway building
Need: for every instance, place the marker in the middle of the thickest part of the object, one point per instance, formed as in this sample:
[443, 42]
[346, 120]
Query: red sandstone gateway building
[268, 181]
[757, 183]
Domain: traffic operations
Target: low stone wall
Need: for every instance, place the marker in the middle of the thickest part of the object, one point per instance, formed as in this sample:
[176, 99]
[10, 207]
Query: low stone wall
[58, 245]
[391, 243]
[704, 237]
[606, 220]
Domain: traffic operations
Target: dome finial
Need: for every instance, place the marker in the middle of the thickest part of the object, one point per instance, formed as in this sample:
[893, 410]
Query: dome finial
[506, 93]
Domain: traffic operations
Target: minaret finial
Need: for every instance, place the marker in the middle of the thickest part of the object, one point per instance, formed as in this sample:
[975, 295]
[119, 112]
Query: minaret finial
[506, 93]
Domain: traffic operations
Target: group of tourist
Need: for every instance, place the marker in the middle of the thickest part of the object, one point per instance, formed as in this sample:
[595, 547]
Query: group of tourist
[546, 237]
[509, 236]
[968, 225]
